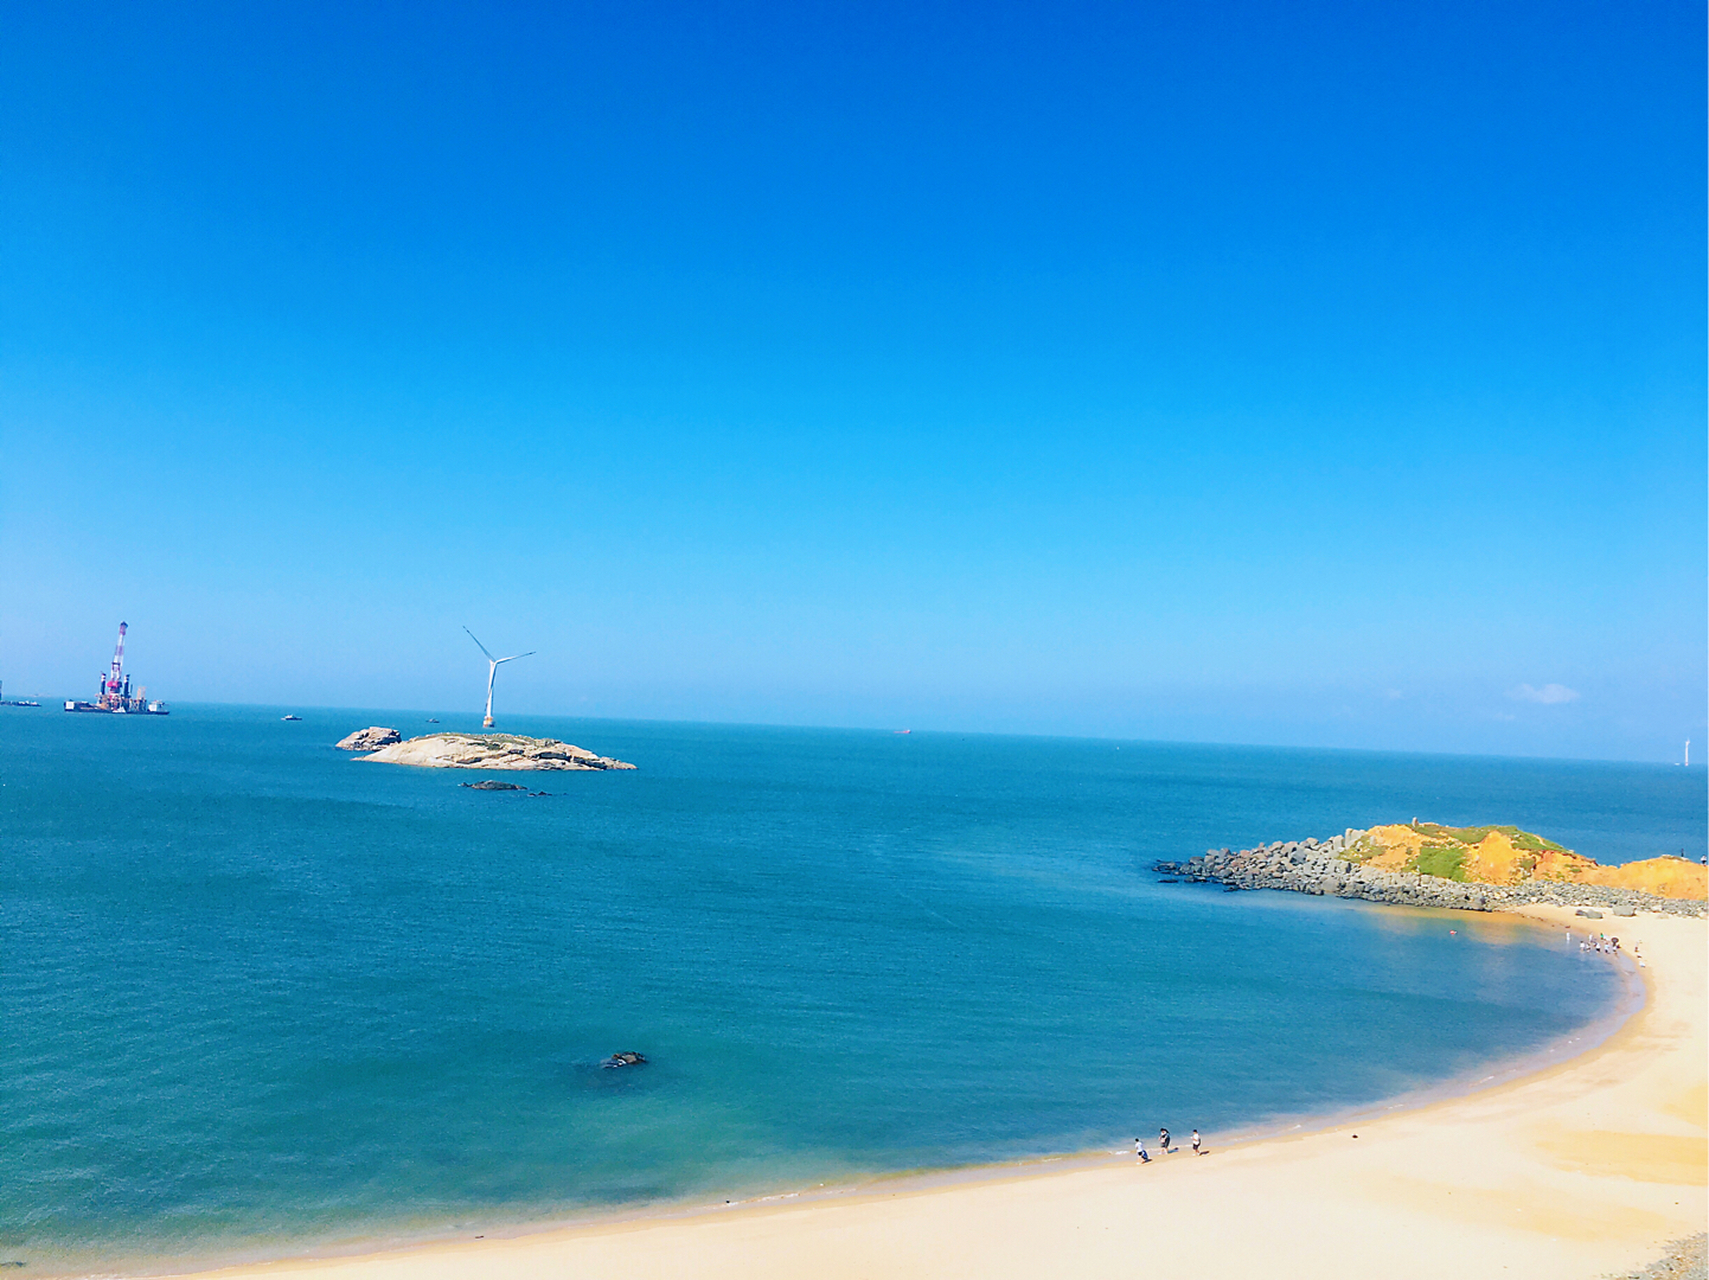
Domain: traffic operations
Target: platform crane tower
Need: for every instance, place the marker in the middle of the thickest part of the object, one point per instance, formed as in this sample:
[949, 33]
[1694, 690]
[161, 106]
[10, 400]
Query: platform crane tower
[114, 685]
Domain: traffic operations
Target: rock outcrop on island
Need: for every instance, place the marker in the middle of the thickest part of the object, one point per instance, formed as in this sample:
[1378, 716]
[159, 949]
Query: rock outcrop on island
[370, 739]
[1422, 864]
[491, 751]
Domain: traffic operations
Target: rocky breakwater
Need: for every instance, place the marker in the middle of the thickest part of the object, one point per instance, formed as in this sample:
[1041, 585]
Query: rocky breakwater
[491, 751]
[1466, 868]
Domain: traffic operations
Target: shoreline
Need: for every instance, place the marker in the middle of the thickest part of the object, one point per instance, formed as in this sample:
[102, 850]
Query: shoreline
[683, 1229]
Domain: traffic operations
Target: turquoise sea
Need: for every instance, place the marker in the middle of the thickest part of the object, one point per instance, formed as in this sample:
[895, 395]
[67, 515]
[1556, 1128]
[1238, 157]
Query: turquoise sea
[257, 997]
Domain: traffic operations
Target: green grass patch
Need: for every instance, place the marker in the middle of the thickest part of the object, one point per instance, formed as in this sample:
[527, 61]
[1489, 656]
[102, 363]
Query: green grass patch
[1525, 840]
[1361, 850]
[1446, 861]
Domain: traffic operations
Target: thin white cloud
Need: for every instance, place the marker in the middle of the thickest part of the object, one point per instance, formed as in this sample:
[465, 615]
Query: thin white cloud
[1548, 695]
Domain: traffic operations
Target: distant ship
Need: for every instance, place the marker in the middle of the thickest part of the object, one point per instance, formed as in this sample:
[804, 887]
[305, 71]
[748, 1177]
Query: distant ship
[15, 702]
[290, 717]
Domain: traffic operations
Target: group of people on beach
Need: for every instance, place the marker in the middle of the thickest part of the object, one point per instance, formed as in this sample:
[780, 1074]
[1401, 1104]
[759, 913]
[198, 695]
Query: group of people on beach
[1602, 944]
[1142, 1156]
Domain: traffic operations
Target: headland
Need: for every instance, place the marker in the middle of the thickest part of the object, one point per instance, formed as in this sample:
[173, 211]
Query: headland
[1424, 864]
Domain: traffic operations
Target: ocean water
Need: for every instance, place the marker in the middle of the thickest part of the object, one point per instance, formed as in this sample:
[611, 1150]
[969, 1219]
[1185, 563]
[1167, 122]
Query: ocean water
[257, 997]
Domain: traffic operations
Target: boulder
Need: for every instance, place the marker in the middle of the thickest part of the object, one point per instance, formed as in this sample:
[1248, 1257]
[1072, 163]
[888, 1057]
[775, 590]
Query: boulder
[370, 739]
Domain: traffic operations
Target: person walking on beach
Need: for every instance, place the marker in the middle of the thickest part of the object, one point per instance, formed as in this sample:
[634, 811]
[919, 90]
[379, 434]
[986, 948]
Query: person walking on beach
[1196, 1150]
[1163, 1140]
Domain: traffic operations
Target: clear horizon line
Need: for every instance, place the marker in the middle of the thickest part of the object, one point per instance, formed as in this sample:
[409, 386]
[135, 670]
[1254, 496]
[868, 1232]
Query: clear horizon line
[980, 733]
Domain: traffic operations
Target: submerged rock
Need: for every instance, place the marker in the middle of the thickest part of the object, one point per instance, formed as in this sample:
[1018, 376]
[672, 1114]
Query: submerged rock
[490, 784]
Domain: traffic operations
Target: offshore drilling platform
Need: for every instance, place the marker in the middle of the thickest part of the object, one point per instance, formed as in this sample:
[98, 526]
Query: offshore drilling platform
[114, 694]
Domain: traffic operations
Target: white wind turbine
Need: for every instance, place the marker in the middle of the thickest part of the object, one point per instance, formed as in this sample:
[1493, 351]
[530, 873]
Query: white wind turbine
[492, 672]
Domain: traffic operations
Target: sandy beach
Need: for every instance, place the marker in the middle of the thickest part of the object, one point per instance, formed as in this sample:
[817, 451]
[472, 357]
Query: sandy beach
[1585, 1168]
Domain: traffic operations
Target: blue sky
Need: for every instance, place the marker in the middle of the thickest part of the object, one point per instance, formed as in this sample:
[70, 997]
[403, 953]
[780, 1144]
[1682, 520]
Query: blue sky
[1321, 374]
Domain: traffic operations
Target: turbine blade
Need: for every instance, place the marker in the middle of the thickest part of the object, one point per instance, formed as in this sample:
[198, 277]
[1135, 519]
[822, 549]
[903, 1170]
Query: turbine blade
[478, 644]
[513, 657]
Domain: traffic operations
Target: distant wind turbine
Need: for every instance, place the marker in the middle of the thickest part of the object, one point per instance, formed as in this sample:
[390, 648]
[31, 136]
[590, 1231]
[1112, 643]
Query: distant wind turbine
[492, 672]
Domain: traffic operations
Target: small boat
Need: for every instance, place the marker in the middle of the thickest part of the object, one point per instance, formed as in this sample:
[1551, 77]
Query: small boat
[900, 732]
[431, 720]
[290, 717]
[628, 1058]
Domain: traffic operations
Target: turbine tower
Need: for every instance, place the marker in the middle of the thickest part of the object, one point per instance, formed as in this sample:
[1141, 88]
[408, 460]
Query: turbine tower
[492, 672]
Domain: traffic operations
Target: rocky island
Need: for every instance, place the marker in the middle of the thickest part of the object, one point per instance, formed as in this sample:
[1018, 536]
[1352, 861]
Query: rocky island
[478, 751]
[1425, 864]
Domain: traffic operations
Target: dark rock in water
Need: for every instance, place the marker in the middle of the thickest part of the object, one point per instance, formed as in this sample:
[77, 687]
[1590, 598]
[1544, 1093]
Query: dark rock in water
[628, 1058]
[492, 784]
[1168, 882]
[535, 795]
